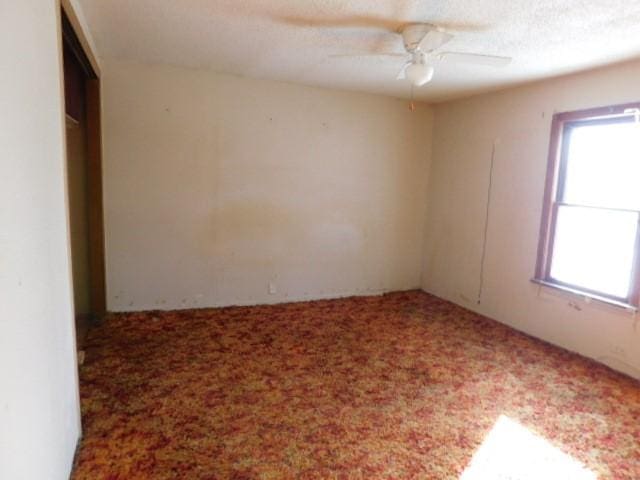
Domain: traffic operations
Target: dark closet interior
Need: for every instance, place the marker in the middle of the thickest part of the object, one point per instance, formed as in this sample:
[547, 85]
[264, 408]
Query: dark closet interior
[84, 180]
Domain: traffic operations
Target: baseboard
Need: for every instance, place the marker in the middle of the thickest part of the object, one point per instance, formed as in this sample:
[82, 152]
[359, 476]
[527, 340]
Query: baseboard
[608, 361]
[276, 301]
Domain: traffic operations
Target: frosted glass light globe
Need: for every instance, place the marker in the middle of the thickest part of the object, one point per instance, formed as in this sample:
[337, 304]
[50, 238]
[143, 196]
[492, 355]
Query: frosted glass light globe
[419, 73]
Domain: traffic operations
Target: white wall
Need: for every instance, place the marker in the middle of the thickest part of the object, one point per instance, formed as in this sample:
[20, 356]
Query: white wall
[216, 185]
[518, 120]
[39, 408]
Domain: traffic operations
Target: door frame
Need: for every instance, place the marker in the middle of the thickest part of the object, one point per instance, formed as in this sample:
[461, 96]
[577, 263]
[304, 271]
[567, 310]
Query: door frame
[97, 287]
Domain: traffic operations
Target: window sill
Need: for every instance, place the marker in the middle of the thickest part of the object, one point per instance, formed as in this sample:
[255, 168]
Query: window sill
[589, 296]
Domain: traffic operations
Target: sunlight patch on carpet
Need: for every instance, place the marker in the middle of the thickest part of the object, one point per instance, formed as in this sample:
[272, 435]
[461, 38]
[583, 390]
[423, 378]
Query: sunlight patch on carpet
[512, 452]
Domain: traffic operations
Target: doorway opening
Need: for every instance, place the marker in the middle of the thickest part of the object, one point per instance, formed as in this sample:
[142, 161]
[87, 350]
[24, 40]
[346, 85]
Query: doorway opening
[84, 179]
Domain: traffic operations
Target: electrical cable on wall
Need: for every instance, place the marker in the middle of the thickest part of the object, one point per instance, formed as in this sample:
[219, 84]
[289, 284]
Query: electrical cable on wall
[486, 221]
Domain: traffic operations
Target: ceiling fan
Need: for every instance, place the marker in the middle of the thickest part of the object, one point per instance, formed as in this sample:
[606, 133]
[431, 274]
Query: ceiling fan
[422, 42]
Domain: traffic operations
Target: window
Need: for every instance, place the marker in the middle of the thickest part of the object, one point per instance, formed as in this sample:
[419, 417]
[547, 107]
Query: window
[589, 234]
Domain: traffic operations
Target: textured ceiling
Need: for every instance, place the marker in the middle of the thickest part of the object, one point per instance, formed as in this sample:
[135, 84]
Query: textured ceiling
[293, 40]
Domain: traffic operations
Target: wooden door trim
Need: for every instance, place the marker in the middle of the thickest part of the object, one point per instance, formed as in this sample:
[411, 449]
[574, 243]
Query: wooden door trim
[74, 21]
[96, 211]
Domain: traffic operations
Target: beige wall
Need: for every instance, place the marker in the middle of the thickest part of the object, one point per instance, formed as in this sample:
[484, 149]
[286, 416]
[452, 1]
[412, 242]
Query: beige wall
[39, 408]
[518, 121]
[217, 185]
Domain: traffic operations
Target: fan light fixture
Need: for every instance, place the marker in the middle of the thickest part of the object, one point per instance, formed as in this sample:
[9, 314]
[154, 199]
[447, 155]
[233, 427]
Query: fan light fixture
[419, 73]
[423, 44]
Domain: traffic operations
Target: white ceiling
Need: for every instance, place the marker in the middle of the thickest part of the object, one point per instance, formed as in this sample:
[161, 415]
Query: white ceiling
[293, 40]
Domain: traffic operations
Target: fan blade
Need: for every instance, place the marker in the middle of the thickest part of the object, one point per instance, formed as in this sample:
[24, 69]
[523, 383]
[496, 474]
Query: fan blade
[402, 74]
[434, 39]
[384, 54]
[478, 59]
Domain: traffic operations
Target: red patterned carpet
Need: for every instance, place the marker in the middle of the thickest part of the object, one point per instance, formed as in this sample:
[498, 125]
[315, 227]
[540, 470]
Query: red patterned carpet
[398, 386]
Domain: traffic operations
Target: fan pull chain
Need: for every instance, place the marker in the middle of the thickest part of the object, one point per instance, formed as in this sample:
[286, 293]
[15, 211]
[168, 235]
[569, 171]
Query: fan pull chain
[412, 106]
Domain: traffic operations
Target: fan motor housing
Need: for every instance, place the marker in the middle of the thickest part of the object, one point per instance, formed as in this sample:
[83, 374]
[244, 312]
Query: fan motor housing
[413, 33]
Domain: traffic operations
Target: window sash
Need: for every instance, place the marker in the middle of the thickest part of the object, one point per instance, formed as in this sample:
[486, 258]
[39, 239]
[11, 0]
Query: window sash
[634, 281]
[562, 124]
[567, 130]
